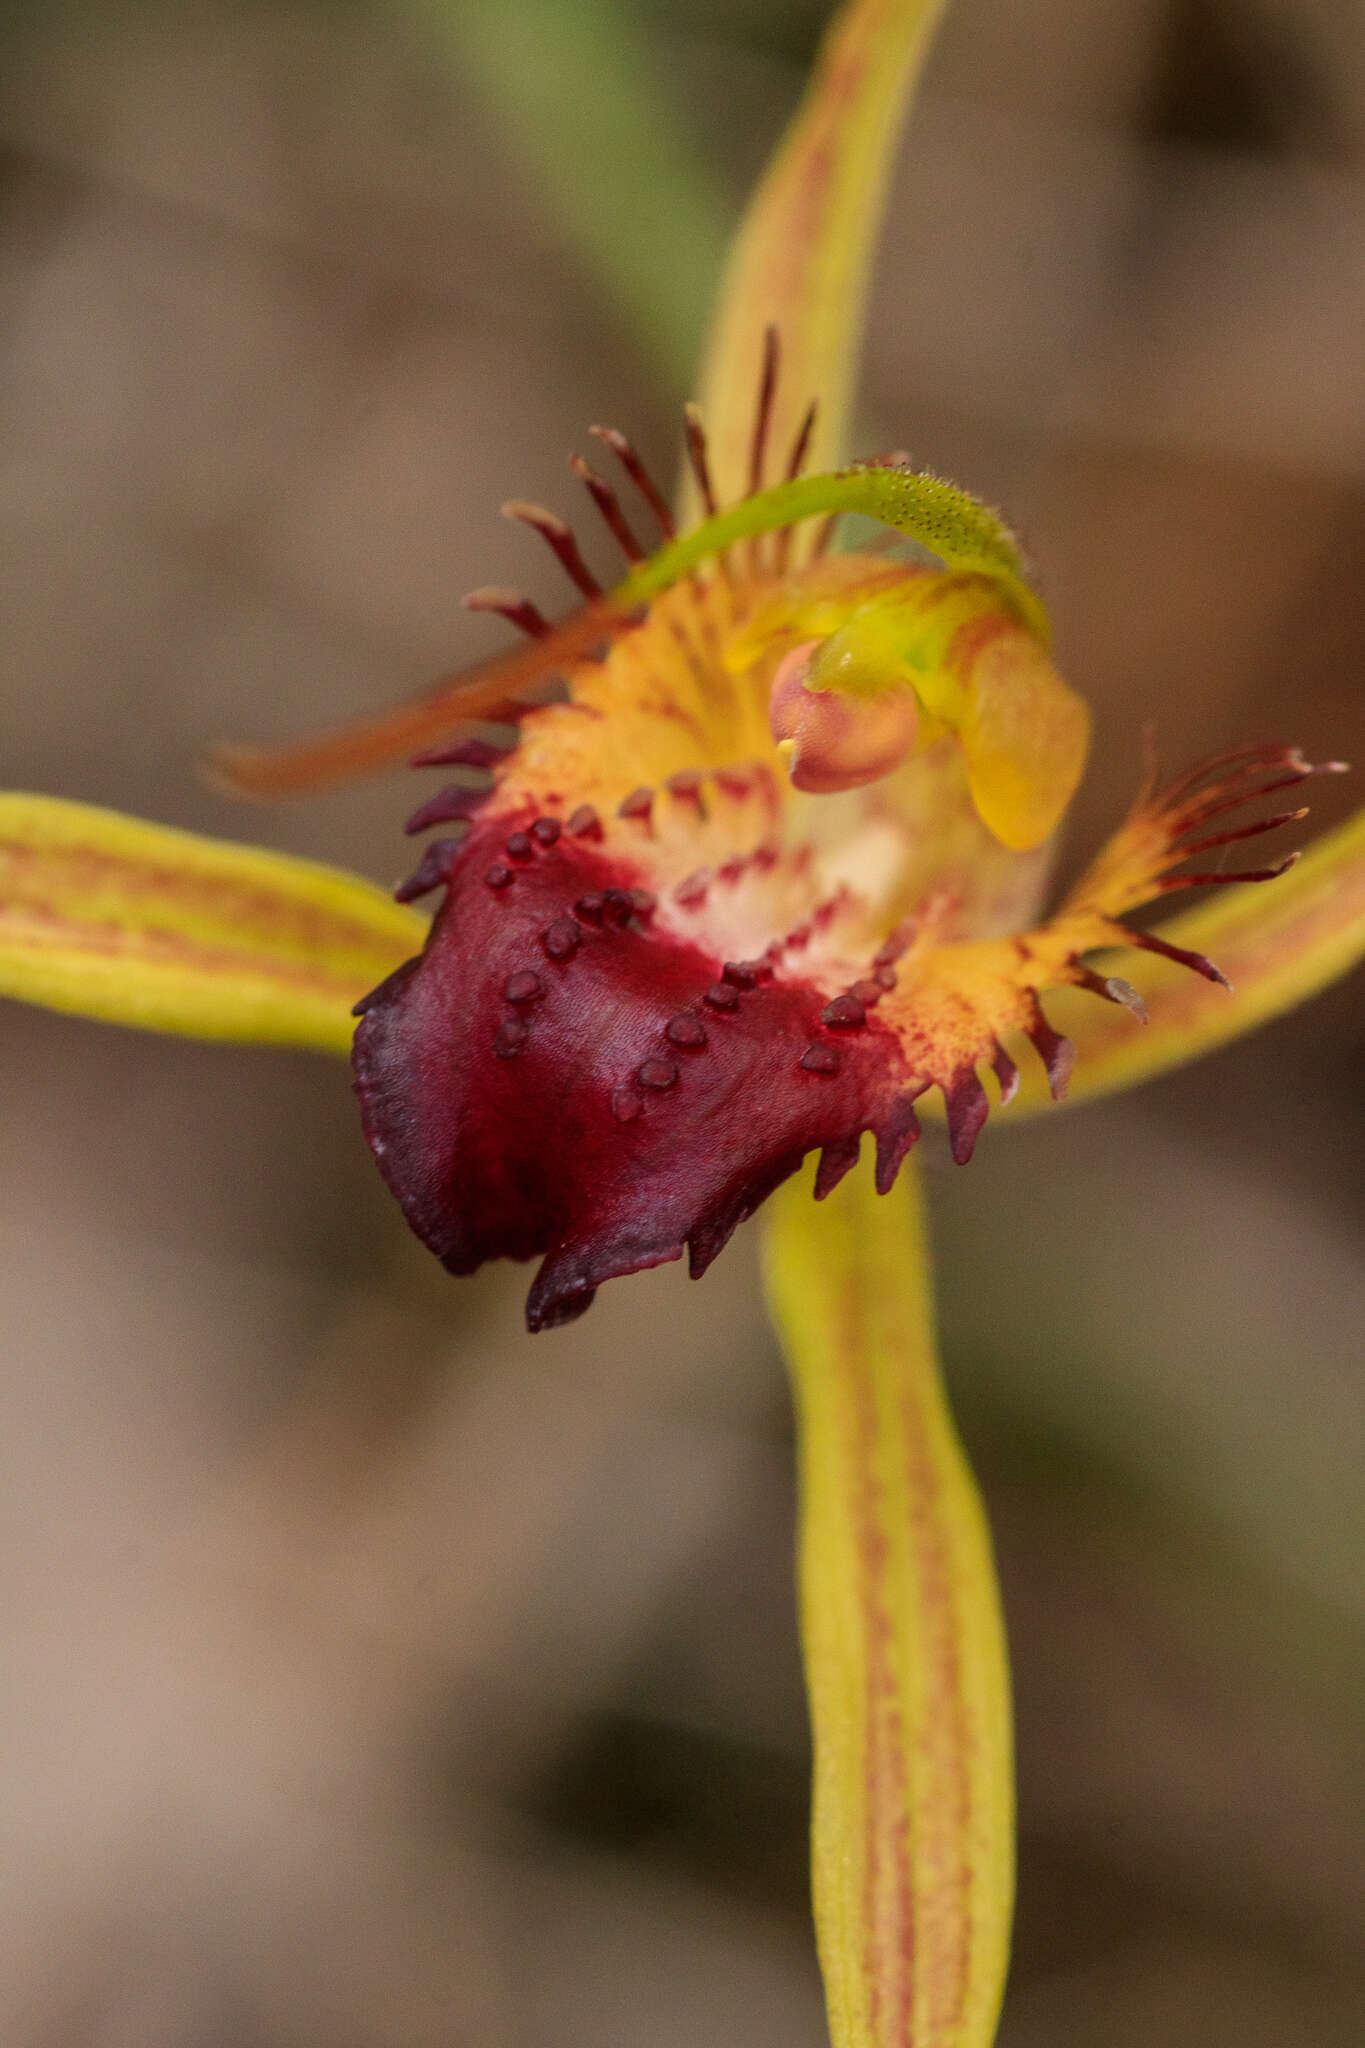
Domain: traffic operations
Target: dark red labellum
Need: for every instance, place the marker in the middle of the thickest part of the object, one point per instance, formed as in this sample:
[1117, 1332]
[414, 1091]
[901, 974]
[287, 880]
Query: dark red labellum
[557, 1127]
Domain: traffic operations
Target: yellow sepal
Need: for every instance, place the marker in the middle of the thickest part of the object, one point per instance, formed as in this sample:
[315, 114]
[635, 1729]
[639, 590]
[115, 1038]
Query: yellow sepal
[108, 917]
[802, 257]
[905, 1654]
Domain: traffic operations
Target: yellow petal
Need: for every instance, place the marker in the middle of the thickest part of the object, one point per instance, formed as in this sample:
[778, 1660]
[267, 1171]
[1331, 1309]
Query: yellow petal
[1026, 735]
[905, 1652]
[1278, 943]
[802, 257]
[108, 917]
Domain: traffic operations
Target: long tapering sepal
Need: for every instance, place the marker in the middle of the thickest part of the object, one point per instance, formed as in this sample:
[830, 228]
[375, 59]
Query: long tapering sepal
[802, 257]
[109, 917]
[904, 1646]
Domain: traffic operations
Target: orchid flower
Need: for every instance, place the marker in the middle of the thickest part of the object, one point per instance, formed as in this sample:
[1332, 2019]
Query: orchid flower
[744, 858]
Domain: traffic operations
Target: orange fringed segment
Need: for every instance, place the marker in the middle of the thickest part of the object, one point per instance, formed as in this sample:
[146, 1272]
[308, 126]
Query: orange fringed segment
[955, 1005]
[1275, 949]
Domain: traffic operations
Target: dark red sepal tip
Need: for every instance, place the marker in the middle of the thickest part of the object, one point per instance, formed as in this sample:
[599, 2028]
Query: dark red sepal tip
[1057, 1054]
[1006, 1073]
[464, 753]
[1201, 964]
[449, 805]
[837, 1159]
[386, 990]
[968, 1107]
[432, 870]
[895, 1134]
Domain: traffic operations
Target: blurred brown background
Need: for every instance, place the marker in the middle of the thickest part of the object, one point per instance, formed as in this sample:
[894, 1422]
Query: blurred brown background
[373, 1675]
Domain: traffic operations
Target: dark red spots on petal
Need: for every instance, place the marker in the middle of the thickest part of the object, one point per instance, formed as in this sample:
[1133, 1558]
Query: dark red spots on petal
[691, 893]
[584, 823]
[499, 877]
[720, 996]
[821, 1059]
[643, 902]
[742, 974]
[589, 908]
[657, 1074]
[524, 987]
[686, 787]
[686, 1032]
[546, 831]
[625, 1105]
[639, 804]
[845, 1013]
[519, 845]
[510, 1039]
[562, 939]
